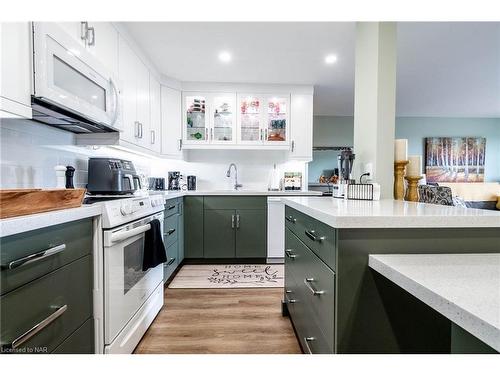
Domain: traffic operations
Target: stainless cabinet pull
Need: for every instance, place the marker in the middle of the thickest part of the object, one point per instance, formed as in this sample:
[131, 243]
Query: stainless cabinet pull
[212, 134]
[206, 134]
[289, 254]
[91, 36]
[232, 221]
[171, 261]
[292, 300]
[307, 340]
[293, 146]
[265, 132]
[153, 138]
[171, 207]
[288, 291]
[34, 257]
[170, 232]
[136, 125]
[84, 30]
[312, 235]
[38, 327]
[180, 144]
[238, 221]
[140, 127]
[261, 136]
[315, 292]
[291, 219]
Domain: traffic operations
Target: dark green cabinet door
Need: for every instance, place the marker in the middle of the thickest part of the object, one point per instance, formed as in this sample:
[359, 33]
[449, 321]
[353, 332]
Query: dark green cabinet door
[193, 227]
[219, 234]
[251, 232]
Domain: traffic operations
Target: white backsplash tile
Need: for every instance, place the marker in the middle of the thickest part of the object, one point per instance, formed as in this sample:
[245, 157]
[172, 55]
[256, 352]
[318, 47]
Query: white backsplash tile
[29, 151]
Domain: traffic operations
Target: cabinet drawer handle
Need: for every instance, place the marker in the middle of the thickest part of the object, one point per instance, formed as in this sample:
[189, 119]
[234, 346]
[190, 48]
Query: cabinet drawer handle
[34, 257]
[238, 221]
[171, 261]
[307, 340]
[37, 327]
[289, 254]
[315, 292]
[290, 300]
[232, 221]
[170, 231]
[312, 235]
[291, 219]
[171, 207]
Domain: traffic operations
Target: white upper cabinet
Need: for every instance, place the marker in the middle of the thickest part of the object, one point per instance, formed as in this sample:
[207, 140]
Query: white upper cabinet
[301, 117]
[15, 73]
[99, 38]
[143, 107]
[155, 114]
[250, 119]
[171, 117]
[127, 65]
[276, 121]
[195, 120]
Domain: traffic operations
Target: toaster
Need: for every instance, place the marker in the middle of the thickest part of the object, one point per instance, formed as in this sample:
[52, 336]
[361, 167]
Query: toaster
[112, 176]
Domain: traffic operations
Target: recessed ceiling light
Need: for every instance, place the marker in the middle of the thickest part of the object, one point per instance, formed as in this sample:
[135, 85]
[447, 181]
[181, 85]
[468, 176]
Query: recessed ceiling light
[225, 56]
[331, 59]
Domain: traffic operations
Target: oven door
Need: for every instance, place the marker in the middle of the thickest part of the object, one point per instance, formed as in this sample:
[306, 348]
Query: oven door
[126, 286]
[68, 76]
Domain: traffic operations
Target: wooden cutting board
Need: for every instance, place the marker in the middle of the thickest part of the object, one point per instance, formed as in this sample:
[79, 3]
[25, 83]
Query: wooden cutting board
[18, 202]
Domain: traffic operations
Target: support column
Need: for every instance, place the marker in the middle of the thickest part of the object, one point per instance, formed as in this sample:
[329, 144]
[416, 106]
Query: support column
[375, 102]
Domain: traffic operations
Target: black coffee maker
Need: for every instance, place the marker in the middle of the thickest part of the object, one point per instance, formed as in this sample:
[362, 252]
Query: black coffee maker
[173, 180]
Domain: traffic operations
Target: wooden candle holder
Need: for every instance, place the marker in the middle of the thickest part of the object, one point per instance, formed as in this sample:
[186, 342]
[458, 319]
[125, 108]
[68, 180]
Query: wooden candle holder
[412, 191]
[399, 184]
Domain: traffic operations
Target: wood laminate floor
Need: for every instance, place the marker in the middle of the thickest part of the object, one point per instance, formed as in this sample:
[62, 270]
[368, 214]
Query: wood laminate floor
[220, 321]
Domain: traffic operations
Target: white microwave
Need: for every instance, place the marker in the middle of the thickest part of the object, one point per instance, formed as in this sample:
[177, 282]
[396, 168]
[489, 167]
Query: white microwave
[71, 89]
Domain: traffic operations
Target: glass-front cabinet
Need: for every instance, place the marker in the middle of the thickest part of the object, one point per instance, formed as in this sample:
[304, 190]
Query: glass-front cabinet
[276, 125]
[236, 119]
[250, 119]
[222, 118]
[209, 118]
[195, 121]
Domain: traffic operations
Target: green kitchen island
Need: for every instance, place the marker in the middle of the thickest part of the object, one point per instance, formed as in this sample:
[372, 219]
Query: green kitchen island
[338, 304]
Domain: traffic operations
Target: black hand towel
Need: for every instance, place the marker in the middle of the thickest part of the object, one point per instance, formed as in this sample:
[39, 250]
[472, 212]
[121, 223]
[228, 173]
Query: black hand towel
[154, 250]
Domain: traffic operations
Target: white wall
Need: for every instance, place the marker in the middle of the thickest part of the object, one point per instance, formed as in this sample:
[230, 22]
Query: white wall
[30, 150]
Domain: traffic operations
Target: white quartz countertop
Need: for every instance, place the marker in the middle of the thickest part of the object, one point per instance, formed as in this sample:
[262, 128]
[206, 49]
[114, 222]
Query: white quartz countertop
[389, 213]
[173, 194]
[26, 223]
[465, 288]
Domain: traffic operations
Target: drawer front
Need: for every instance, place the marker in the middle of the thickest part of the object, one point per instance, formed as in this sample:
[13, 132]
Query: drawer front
[235, 203]
[63, 299]
[171, 230]
[318, 236]
[80, 342]
[172, 261]
[55, 247]
[171, 207]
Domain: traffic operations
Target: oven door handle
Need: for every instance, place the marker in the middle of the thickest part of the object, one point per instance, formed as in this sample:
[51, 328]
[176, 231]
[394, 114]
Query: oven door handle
[115, 237]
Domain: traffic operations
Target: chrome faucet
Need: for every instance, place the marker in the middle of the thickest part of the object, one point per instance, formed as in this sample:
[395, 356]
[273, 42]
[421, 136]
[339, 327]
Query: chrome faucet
[228, 174]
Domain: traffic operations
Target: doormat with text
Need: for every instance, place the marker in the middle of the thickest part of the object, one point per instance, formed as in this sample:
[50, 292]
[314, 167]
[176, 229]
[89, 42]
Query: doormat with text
[229, 276]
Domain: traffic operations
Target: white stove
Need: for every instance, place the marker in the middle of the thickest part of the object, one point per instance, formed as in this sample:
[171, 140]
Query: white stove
[132, 297]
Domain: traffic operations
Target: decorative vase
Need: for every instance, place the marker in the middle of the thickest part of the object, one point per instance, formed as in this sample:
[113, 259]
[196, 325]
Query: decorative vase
[399, 184]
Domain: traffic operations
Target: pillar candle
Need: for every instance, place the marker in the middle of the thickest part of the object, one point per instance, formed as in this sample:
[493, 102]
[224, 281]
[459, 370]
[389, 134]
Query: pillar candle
[414, 166]
[400, 149]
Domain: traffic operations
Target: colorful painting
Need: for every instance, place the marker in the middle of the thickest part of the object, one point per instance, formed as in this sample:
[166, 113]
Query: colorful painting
[455, 159]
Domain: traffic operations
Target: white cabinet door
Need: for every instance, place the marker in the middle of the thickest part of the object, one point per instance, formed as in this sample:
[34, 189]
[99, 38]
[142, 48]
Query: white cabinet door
[195, 121]
[250, 119]
[301, 116]
[143, 108]
[171, 129]
[276, 123]
[155, 114]
[15, 73]
[222, 110]
[104, 45]
[76, 30]
[127, 68]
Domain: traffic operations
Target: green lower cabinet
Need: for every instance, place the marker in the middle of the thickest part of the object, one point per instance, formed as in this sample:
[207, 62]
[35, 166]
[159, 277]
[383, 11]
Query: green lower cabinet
[251, 233]
[80, 342]
[172, 260]
[219, 233]
[193, 227]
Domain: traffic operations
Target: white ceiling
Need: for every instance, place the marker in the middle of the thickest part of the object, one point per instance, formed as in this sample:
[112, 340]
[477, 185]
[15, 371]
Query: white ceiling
[444, 69]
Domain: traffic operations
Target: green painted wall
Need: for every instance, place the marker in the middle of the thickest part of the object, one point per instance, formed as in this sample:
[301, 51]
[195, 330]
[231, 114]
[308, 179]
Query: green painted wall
[338, 131]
